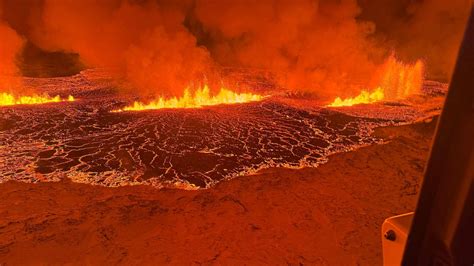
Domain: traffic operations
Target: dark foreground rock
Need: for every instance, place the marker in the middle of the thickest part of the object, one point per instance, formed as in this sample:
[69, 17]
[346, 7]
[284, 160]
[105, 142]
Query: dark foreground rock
[330, 215]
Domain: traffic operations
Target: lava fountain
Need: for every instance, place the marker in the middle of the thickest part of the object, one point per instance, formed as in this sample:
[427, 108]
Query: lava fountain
[396, 81]
[364, 97]
[201, 97]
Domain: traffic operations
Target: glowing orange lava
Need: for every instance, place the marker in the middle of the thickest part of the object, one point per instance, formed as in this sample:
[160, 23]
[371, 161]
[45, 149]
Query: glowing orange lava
[10, 99]
[200, 98]
[364, 97]
[396, 81]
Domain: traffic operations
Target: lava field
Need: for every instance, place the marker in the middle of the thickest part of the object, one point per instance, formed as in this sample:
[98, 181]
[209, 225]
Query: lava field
[186, 148]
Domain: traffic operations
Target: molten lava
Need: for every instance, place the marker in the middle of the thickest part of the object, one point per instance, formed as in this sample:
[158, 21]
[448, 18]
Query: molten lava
[400, 80]
[201, 97]
[10, 99]
[396, 81]
[364, 97]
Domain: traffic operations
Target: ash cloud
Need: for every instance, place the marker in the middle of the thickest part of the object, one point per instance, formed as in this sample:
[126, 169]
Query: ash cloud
[10, 46]
[420, 29]
[315, 46]
[143, 41]
[327, 47]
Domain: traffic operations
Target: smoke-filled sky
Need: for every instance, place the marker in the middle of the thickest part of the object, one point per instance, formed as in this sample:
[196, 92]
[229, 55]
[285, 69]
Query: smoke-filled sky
[162, 46]
[10, 45]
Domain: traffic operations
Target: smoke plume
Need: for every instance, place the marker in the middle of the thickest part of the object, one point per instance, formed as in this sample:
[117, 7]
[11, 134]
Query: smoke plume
[421, 29]
[327, 47]
[10, 46]
[144, 41]
[311, 45]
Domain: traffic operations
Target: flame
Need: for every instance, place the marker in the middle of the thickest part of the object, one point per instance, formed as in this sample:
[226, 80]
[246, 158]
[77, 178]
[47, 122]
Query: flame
[396, 80]
[10, 99]
[200, 98]
[364, 97]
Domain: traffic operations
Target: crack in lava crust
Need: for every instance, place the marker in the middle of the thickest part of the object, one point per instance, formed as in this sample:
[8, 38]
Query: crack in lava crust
[190, 148]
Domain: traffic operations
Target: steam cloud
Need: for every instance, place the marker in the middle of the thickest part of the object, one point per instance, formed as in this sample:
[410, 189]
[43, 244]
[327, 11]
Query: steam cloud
[328, 46]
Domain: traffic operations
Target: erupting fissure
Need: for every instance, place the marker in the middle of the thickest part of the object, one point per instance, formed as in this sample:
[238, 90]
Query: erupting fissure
[200, 98]
[10, 99]
[397, 81]
[364, 97]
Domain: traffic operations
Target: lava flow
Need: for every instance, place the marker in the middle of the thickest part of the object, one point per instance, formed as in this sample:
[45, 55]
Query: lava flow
[10, 99]
[397, 81]
[194, 148]
[364, 97]
[200, 98]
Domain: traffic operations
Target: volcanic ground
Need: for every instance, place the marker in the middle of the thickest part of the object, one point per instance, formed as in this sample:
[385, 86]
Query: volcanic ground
[187, 148]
